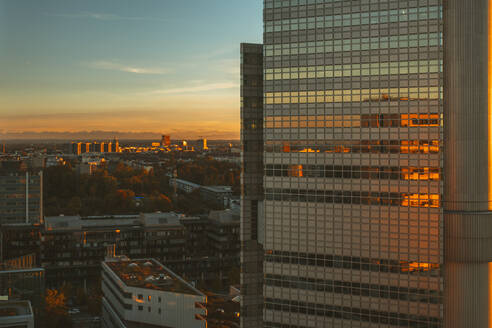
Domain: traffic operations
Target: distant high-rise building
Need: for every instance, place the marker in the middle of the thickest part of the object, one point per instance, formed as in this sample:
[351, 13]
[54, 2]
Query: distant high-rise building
[203, 144]
[115, 146]
[96, 147]
[166, 141]
[21, 193]
[85, 147]
[365, 219]
[76, 148]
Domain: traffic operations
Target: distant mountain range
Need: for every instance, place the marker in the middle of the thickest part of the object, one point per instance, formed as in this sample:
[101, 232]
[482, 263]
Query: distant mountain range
[95, 135]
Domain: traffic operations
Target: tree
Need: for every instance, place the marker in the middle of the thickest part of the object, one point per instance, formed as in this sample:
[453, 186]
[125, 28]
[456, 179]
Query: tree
[74, 206]
[55, 314]
[55, 302]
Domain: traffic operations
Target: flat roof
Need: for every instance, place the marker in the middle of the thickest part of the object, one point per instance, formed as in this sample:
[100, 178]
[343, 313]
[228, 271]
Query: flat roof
[218, 189]
[150, 274]
[14, 308]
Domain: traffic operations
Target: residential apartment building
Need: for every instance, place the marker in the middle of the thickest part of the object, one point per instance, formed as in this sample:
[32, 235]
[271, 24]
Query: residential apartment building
[71, 248]
[144, 293]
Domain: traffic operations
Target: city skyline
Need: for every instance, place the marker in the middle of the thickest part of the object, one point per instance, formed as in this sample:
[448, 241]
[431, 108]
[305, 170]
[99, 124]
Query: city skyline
[147, 68]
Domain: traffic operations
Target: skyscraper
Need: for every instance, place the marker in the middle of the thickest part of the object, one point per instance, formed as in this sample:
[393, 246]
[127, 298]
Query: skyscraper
[166, 140]
[362, 206]
[252, 193]
[351, 219]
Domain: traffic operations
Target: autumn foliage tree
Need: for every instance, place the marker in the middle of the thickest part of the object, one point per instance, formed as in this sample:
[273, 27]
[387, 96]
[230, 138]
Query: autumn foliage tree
[55, 314]
[125, 190]
[105, 191]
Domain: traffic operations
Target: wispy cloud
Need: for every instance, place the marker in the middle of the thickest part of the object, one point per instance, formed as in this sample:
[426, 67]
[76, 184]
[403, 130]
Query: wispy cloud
[198, 88]
[106, 17]
[115, 66]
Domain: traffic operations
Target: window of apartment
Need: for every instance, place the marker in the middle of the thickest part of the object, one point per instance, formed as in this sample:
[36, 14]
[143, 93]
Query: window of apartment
[140, 296]
[159, 300]
[140, 308]
[149, 298]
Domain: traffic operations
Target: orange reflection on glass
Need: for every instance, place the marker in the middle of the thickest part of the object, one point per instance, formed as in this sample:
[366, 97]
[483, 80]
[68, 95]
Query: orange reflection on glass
[421, 200]
[286, 147]
[420, 173]
[308, 150]
[419, 146]
[418, 266]
[419, 120]
[339, 149]
[295, 171]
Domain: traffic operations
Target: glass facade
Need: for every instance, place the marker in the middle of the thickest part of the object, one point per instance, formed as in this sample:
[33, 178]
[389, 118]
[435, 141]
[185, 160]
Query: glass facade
[352, 117]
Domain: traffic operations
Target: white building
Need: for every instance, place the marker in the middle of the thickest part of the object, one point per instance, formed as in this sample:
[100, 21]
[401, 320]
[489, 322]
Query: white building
[16, 314]
[144, 293]
[185, 186]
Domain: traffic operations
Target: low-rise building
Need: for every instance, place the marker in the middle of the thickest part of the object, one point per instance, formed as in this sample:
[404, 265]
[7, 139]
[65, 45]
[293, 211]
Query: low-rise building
[219, 195]
[22, 280]
[15, 314]
[144, 293]
[71, 248]
[184, 186]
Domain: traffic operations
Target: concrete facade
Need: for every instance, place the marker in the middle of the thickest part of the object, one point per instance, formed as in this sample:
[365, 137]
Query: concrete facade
[468, 229]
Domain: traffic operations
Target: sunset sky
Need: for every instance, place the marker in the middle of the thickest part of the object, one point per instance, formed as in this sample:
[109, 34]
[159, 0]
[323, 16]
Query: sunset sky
[161, 66]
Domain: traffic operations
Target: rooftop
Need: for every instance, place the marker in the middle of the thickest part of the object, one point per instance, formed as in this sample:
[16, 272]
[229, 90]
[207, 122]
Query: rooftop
[229, 216]
[218, 189]
[150, 274]
[77, 222]
[161, 219]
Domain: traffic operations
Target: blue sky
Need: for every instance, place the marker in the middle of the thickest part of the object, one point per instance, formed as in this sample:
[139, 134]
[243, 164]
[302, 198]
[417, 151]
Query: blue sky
[124, 65]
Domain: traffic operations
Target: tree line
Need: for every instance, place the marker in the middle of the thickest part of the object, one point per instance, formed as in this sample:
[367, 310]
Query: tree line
[121, 189]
